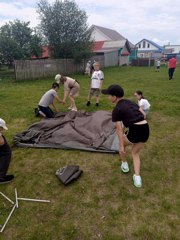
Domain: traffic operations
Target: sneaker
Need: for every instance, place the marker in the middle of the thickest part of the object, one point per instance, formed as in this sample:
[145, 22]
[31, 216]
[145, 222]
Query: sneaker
[74, 109]
[88, 103]
[97, 104]
[42, 114]
[6, 179]
[70, 108]
[124, 167]
[137, 181]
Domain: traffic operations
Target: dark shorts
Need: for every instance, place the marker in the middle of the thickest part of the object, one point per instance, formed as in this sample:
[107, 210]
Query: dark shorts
[158, 67]
[94, 91]
[138, 133]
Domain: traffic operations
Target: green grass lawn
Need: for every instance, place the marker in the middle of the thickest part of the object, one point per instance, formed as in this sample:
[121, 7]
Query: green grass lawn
[103, 203]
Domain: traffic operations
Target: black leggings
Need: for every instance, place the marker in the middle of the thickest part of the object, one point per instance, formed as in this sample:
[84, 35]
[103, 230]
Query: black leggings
[4, 165]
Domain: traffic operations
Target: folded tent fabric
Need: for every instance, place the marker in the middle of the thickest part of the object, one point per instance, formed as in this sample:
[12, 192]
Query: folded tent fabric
[74, 130]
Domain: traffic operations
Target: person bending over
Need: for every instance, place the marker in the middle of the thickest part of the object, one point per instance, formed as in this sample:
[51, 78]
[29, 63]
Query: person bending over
[47, 99]
[71, 90]
[128, 114]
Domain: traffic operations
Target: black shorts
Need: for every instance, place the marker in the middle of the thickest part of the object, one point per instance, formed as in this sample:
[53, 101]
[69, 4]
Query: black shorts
[138, 133]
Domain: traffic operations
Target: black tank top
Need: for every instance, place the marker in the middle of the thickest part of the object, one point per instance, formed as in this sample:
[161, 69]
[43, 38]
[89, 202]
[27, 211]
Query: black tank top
[5, 149]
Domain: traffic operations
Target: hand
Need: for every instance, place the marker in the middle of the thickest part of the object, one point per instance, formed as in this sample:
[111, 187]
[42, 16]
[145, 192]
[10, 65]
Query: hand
[122, 152]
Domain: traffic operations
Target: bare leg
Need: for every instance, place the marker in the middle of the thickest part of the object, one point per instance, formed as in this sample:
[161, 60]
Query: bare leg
[126, 143]
[72, 102]
[97, 99]
[136, 148]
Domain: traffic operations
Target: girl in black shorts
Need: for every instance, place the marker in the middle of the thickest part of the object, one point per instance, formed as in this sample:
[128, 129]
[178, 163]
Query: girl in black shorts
[128, 114]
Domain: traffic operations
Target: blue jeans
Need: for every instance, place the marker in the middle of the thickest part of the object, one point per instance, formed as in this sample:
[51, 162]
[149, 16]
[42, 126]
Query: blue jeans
[47, 111]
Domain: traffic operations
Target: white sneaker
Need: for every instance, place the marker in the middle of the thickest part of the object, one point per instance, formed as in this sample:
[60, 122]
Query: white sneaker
[137, 181]
[70, 108]
[124, 167]
[74, 109]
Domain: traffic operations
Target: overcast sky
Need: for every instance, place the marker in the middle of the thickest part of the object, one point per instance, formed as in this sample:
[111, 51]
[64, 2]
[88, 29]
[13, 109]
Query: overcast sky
[156, 20]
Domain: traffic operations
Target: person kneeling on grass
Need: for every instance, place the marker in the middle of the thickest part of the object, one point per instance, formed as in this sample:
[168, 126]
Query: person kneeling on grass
[5, 155]
[48, 99]
[128, 114]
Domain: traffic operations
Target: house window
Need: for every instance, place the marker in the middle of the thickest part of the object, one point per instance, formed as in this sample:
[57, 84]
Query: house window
[144, 44]
[139, 45]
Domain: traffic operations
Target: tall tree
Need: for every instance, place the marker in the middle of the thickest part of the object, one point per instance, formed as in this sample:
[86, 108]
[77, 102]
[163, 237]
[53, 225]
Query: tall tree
[65, 26]
[18, 41]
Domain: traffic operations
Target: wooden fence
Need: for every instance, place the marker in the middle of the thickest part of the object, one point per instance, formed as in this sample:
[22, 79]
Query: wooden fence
[42, 68]
[143, 62]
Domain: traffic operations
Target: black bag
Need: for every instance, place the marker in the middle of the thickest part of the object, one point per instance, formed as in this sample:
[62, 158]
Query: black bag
[68, 174]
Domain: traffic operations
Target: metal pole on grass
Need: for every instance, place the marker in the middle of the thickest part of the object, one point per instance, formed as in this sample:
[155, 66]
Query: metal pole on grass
[7, 198]
[33, 200]
[8, 218]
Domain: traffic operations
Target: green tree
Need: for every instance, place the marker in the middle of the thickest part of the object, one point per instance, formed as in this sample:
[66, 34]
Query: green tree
[64, 25]
[18, 41]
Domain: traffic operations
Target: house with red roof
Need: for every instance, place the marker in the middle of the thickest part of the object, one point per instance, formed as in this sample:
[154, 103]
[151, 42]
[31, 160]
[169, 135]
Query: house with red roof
[108, 40]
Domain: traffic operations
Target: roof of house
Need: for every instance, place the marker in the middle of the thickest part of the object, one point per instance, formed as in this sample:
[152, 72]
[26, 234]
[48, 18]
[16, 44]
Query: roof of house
[110, 33]
[97, 46]
[151, 42]
[109, 46]
[45, 53]
[115, 44]
[175, 48]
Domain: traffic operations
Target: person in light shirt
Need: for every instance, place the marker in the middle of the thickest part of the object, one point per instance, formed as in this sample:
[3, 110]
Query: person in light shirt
[48, 99]
[142, 102]
[158, 65]
[96, 84]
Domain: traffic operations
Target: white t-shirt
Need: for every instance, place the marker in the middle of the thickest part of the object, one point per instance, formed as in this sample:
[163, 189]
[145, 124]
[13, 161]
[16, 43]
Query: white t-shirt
[144, 104]
[158, 63]
[96, 79]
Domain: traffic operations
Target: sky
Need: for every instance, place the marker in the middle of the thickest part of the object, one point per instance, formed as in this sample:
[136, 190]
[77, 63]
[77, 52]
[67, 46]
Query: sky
[156, 20]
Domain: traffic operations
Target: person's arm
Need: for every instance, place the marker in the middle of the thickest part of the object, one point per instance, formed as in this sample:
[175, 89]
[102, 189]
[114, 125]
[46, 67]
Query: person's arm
[142, 111]
[119, 130]
[54, 106]
[1, 140]
[59, 100]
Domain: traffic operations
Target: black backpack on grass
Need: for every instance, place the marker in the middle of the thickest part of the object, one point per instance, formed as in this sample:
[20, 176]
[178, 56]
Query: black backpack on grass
[68, 174]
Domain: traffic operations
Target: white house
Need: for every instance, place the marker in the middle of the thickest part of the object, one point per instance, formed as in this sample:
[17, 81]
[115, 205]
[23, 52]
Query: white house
[172, 50]
[149, 49]
[110, 41]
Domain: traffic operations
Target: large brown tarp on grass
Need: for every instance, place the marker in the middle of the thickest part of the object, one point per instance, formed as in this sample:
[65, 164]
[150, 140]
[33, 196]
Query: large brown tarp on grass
[91, 131]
